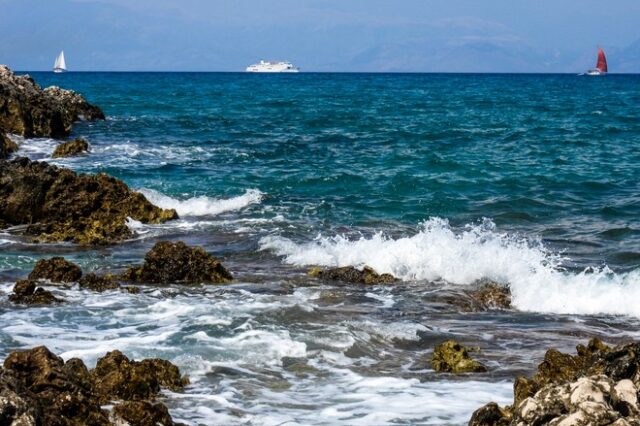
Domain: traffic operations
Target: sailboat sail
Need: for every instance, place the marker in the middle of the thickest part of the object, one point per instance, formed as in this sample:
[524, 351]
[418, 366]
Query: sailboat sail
[60, 63]
[602, 61]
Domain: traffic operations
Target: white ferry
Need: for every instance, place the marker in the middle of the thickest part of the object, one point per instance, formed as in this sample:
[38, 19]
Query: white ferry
[272, 66]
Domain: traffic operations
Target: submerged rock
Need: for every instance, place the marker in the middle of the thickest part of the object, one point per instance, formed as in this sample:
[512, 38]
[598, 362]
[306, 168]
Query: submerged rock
[118, 377]
[39, 388]
[60, 205]
[25, 292]
[452, 357]
[168, 263]
[71, 148]
[598, 386]
[56, 270]
[28, 110]
[349, 274]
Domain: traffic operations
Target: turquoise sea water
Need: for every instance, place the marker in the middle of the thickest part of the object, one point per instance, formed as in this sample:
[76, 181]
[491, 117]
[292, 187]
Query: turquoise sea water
[442, 180]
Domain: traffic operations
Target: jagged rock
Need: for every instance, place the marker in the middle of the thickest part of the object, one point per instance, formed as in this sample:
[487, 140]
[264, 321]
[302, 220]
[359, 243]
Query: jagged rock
[25, 292]
[56, 393]
[452, 357]
[99, 283]
[349, 274]
[71, 148]
[28, 110]
[60, 205]
[598, 386]
[38, 388]
[7, 146]
[143, 413]
[57, 270]
[490, 415]
[118, 377]
[169, 262]
[490, 295]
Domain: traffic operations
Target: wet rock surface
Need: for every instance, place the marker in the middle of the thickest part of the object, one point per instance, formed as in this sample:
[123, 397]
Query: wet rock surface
[98, 283]
[349, 274]
[452, 357]
[28, 110]
[71, 148]
[56, 270]
[598, 386]
[7, 146]
[25, 292]
[59, 205]
[168, 262]
[39, 388]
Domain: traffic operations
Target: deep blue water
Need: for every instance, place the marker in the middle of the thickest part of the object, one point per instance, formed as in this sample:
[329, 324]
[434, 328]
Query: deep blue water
[442, 180]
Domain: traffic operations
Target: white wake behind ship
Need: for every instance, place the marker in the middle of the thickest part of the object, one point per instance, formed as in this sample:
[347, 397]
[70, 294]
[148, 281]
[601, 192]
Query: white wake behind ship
[273, 66]
[60, 65]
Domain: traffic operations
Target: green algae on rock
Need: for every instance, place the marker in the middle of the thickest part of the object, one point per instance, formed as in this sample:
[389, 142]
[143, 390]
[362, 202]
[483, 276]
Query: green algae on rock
[71, 148]
[26, 109]
[349, 274]
[25, 292]
[99, 283]
[59, 205]
[168, 262]
[452, 357]
[56, 270]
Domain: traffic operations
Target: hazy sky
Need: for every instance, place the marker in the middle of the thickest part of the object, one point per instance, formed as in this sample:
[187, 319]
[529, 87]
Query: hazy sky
[322, 35]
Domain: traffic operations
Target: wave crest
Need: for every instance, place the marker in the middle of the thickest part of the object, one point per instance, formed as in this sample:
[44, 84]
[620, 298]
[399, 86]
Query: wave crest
[203, 205]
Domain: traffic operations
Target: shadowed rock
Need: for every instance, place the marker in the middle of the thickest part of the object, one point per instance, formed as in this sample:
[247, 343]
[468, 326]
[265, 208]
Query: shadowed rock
[143, 413]
[98, 283]
[71, 148]
[56, 270]
[25, 292]
[116, 376]
[452, 357]
[349, 274]
[38, 388]
[28, 110]
[7, 146]
[60, 205]
[168, 263]
[598, 386]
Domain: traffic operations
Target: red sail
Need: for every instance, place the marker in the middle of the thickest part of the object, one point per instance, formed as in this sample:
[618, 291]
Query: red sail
[602, 61]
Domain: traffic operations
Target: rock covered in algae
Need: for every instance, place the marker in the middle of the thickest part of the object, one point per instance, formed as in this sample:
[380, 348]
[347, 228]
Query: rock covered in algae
[597, 386]
[116, 376]
[143, 413]
[25, 292]
[39, 388]
[452, 357]
[28, 110]
[168, 262]
[98, 283]
[349, 274]
[71, 148]
[57, 270]
[59, 205]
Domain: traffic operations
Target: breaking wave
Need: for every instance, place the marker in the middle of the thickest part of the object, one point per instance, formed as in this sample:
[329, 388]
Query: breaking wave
[203, 205]
[535, 275]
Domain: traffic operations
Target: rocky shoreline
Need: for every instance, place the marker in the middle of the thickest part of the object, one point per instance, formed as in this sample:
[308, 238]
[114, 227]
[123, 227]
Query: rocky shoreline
[45, 203]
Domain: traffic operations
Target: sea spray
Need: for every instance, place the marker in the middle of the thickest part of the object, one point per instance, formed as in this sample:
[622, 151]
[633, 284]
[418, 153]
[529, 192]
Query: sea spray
[535, 275]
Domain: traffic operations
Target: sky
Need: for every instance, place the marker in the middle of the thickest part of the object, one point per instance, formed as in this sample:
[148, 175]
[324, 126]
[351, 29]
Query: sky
[321, 35]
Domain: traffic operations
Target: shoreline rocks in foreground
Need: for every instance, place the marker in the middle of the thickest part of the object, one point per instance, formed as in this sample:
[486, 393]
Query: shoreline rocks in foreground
[598, 386]
[28, 110]
[58, 204]
[38, 387]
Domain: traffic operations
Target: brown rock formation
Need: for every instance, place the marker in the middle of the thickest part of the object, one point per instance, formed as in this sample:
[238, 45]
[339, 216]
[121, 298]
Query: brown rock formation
[71, 148]
[349, 274]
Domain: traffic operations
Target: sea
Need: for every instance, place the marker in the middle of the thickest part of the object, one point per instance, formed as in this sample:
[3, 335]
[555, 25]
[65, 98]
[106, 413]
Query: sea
[443, 180]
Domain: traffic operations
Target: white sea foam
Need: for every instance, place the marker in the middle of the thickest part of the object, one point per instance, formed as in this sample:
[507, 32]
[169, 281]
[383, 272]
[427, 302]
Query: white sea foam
[437, 252]
[203, 205]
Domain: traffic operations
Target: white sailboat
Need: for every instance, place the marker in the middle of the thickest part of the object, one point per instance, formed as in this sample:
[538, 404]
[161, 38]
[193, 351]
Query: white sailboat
[60, 65]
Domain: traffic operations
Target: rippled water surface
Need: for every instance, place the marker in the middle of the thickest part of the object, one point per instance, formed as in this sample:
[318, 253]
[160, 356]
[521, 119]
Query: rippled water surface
[442, 180]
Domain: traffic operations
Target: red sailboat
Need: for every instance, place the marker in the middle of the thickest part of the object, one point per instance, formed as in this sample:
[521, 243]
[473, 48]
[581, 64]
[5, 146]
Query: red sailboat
[601, 67]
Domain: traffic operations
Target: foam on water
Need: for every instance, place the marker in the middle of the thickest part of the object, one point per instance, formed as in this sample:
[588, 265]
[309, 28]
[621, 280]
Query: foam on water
[437, 252]
[203, 205]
